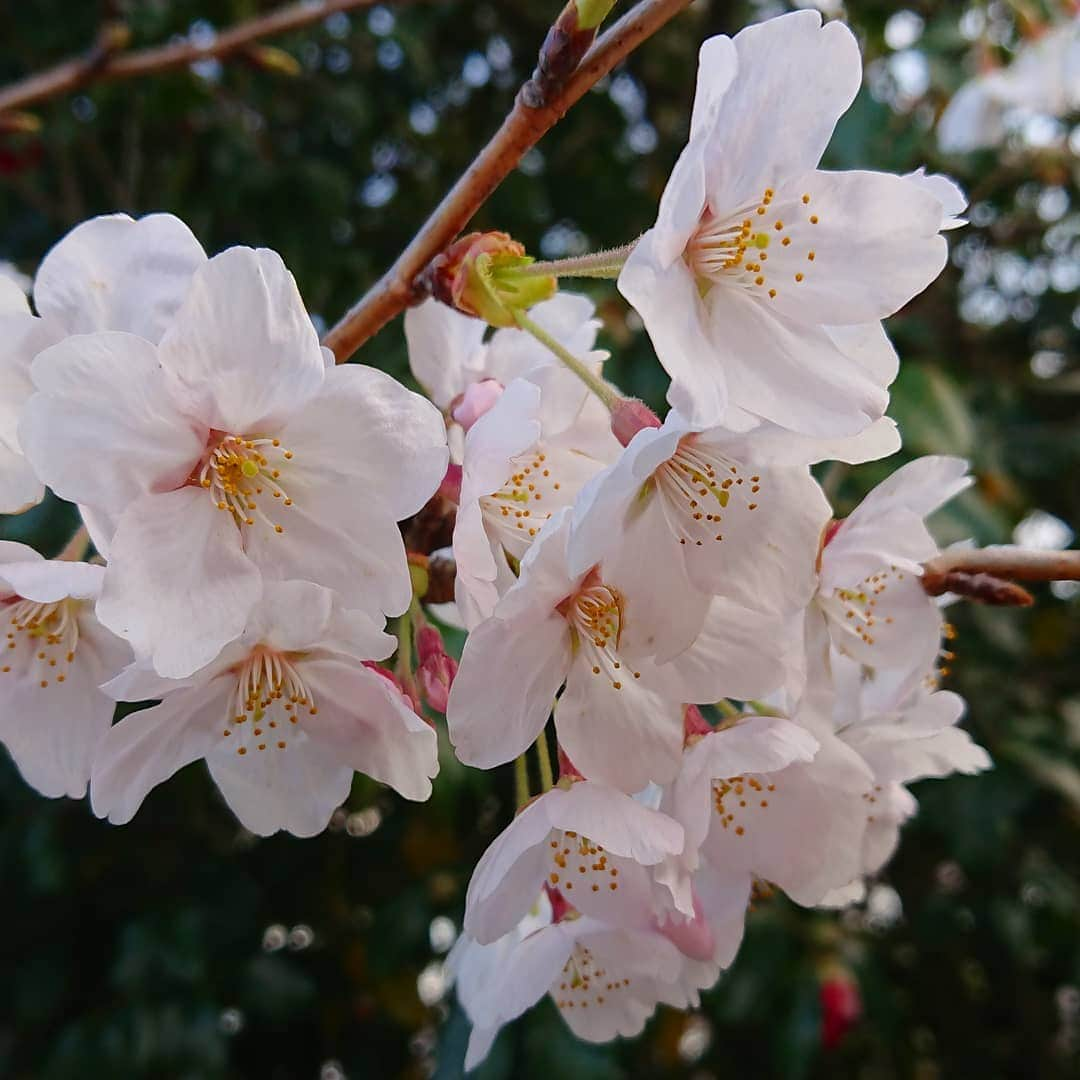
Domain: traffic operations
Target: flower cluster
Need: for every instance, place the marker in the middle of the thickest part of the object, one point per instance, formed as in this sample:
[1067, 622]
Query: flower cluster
[741, 687]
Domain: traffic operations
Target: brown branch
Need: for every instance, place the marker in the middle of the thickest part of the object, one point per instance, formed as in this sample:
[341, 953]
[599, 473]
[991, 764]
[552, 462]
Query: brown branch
[532, 116]
[104, 61]
[988, 575]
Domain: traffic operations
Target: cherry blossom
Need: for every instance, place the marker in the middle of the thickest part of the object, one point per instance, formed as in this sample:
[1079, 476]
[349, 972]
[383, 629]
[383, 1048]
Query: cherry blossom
[109, 273]
[1043, 78]
[230, 453]
[606, 981]
[620, 716]
[585, 839]
[525, 457]
[757, 255]
[52, 714]
[870, 596]
[283, 717]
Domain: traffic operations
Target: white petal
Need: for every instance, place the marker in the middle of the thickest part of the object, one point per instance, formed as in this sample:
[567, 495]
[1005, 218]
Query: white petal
[795, 79]
[149, 746]
[370, 438]
[791, 373]
[295, 789]
[718, 63]
[242, 345]
[668, 302]
[104, 426]
[971, 120]
[947, 192]
[19, 486]
[442, 345]
[368, 724]
[178, 587]
[869, 346]
[921, 487]
[46, 581]
[624, 737]
[510, 672]
[112, 273]
[291, 615]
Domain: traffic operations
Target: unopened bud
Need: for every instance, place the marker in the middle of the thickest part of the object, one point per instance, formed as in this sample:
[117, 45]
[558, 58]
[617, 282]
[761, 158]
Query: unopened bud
[478, 398]
[480, 274]
[591, 13]
[19, 123]
[629, 416]
[114, 37]
[841, 1007]
[271, 58]
[559, 906]
[418, 574]
[390, 677]
[692, 937]
[567, 769]
[450, 488]
[436, 670]
[694, 723]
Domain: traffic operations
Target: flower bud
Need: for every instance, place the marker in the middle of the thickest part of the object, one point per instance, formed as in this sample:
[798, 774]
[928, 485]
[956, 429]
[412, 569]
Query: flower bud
[392, 678]
[692, 937]
[480, 274]
[450, 488]
[694, 723]
[436, 670]
[477, 400]
[629, 416]
[841, 1007]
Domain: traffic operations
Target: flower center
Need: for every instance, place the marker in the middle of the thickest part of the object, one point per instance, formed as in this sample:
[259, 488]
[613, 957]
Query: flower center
[583, 983]
[737, 797]
[515, 513]
[43, 634]
[699, 485]
[243, 476]
[270, 696]
[761, 247]
[578, 861]
[855, 610]
[595, 615]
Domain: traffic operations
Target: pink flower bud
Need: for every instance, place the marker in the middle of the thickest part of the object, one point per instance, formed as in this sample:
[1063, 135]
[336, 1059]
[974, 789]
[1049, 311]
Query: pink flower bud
[694, 723]
[831, 530]
[392, 678]
[567, 769]
[559, 906]
[629, 416]
[692, 937]
[841, 1008]
[450, 488]
[477, 399]
[437, 670]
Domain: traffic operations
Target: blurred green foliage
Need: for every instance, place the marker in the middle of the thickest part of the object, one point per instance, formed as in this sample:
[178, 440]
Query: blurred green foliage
[178, 946]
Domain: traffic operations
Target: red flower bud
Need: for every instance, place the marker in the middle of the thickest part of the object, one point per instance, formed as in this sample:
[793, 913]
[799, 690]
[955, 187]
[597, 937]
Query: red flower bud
[436, 670]
[629, 416]
[841, 1008]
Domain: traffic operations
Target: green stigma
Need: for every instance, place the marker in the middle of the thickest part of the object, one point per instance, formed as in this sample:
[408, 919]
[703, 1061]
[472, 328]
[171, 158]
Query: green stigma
[249, 468]
[761, 240]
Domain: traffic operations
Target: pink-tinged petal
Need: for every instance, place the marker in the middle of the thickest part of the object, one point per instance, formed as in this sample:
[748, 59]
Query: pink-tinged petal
[242, 346]
[370, 439]
[508, 429]
[443, 346]
[791, 373]
[295, 790]
[625, 737]
[369, 726]
[739, 653]
[724, 898]
[104, 426]
[795, 79]
[291, 615]
[22, 337]
[802, 829]
[46, 581]
[19, 486]
[179, 549]
[510, 672]
[334, 540]
[509, 874]
[52, 732]
[113, 273]
[668, 301]
[848, 247]
[149, 746]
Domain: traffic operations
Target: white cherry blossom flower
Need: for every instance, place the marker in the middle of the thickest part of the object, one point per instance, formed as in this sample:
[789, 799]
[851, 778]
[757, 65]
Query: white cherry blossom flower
[527, 456]
[283, 717]
[870, 595]
[713, 513]
[589, 841]
[109, 273]
[620, 716]
[52, 714]
[606, 981]
[757, 256]
[1043, 78]
[230, 453]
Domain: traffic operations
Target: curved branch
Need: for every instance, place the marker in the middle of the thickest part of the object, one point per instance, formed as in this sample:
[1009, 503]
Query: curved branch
[98, 67]
[525, 125]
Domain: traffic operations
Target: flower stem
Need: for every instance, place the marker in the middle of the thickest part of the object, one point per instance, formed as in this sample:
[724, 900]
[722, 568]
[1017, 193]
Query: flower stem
[405, 648]
[521, 781]
[597, 385]
[597, 264]
[725, 708]
[543, 758]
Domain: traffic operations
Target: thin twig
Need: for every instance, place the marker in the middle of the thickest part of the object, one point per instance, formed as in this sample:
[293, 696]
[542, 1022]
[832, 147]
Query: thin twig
[73, 74]
[988, 575]
[525, 125]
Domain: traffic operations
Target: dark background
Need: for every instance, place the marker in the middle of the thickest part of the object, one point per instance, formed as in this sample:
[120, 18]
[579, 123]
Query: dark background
[178, 946]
